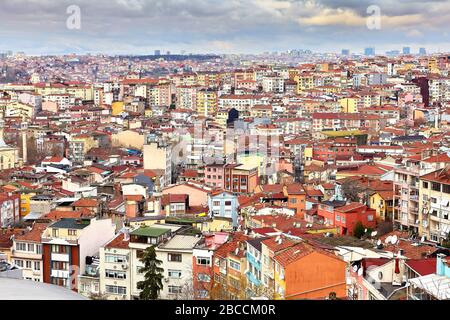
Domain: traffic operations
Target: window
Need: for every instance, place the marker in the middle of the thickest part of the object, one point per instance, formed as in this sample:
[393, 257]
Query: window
[55, 233]
[28, 264]
[59, 249]
[19, 263]
[293, 200]
[202, 277]
[235, 265]
[72, 232]
[228, 203]
[338, 218]
[21, 246]
[436, 186]
[446, 188]
[114, 274]
[216, 203]
[174, 274]
[174, 289]
[39, 249]
[31, 247]
[175, 257]
[425, 185]
[116, 290]
[58, 265]
[37, 266]
[110, 258]
[370, 217]
[203, 261]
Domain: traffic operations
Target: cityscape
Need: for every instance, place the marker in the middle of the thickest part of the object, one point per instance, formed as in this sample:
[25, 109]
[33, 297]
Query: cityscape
[204, 170]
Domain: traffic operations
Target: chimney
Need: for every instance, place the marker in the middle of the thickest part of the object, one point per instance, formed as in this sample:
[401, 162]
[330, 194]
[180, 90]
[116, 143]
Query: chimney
[24, 129]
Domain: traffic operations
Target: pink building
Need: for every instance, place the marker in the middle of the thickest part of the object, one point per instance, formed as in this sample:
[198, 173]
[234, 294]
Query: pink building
[214, 175]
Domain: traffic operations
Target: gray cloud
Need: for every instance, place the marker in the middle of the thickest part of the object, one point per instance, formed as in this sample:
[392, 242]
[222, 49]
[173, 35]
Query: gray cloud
[140, 26]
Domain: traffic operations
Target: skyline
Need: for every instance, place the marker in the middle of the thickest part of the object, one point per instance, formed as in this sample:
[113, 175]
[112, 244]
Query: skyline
[231, 27]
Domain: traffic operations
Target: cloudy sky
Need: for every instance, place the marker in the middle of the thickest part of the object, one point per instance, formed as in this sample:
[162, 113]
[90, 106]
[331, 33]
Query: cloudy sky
[222, 26]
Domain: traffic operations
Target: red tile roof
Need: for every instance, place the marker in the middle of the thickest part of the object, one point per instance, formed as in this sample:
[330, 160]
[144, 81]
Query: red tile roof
[422, 266]
[118, 242]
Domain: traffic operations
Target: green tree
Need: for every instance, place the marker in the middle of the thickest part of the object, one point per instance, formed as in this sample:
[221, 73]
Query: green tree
[152, 284]
[358, 230]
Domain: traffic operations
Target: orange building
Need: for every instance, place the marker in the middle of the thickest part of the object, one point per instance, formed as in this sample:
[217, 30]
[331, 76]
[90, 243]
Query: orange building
[296, 198]
[306, 272]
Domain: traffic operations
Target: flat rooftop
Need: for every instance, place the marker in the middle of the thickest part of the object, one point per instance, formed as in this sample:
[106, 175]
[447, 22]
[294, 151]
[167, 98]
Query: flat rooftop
[15, 289]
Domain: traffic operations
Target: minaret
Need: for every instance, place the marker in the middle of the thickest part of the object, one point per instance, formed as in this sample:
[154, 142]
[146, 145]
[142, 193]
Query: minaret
[24, 130]
[2, 128]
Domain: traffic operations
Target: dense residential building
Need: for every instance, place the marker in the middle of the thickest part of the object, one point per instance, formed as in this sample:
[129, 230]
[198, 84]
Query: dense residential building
[289, 175]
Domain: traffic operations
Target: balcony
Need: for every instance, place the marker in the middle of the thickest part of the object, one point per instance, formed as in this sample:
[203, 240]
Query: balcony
[60, 274]
[252, 278]
[60, 257]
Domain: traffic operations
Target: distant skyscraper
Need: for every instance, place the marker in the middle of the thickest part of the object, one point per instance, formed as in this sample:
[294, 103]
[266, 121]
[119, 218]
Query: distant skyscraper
[393, 53]
[422, 51]
[369, 51]
[345, 52]
[406, 50]
[157, 52]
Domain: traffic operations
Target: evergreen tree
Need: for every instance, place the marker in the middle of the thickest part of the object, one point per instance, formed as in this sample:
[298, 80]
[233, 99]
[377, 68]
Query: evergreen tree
[359, 230]
[152, 284]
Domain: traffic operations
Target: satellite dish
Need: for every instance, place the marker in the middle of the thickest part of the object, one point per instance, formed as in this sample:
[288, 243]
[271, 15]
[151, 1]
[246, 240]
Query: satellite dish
[394, 240]
[380, 275]
[374, 234]
[365, 230]
[379, 243]
[360, 271]
[388, 240]
[355, 268]
[422, 239]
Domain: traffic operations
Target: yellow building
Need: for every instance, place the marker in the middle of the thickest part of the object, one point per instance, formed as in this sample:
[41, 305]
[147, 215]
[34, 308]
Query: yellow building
[304, 82]
[383, 203]
[434, 207]
[207, 103]
[25, 202]
[349, 105]
[117, 108]
[18, 109]
[128, 139]
[80, 145]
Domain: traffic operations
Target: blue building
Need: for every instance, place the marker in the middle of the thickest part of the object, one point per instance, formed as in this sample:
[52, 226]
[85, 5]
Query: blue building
[225, 206]
[254, 264]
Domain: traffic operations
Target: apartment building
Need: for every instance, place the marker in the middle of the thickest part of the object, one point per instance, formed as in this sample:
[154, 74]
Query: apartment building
[115, 268]
[434, 205]
[66, 244]
[407, 214]
[158, 156]
[202, 263]
[27, 252]
[177, 255]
